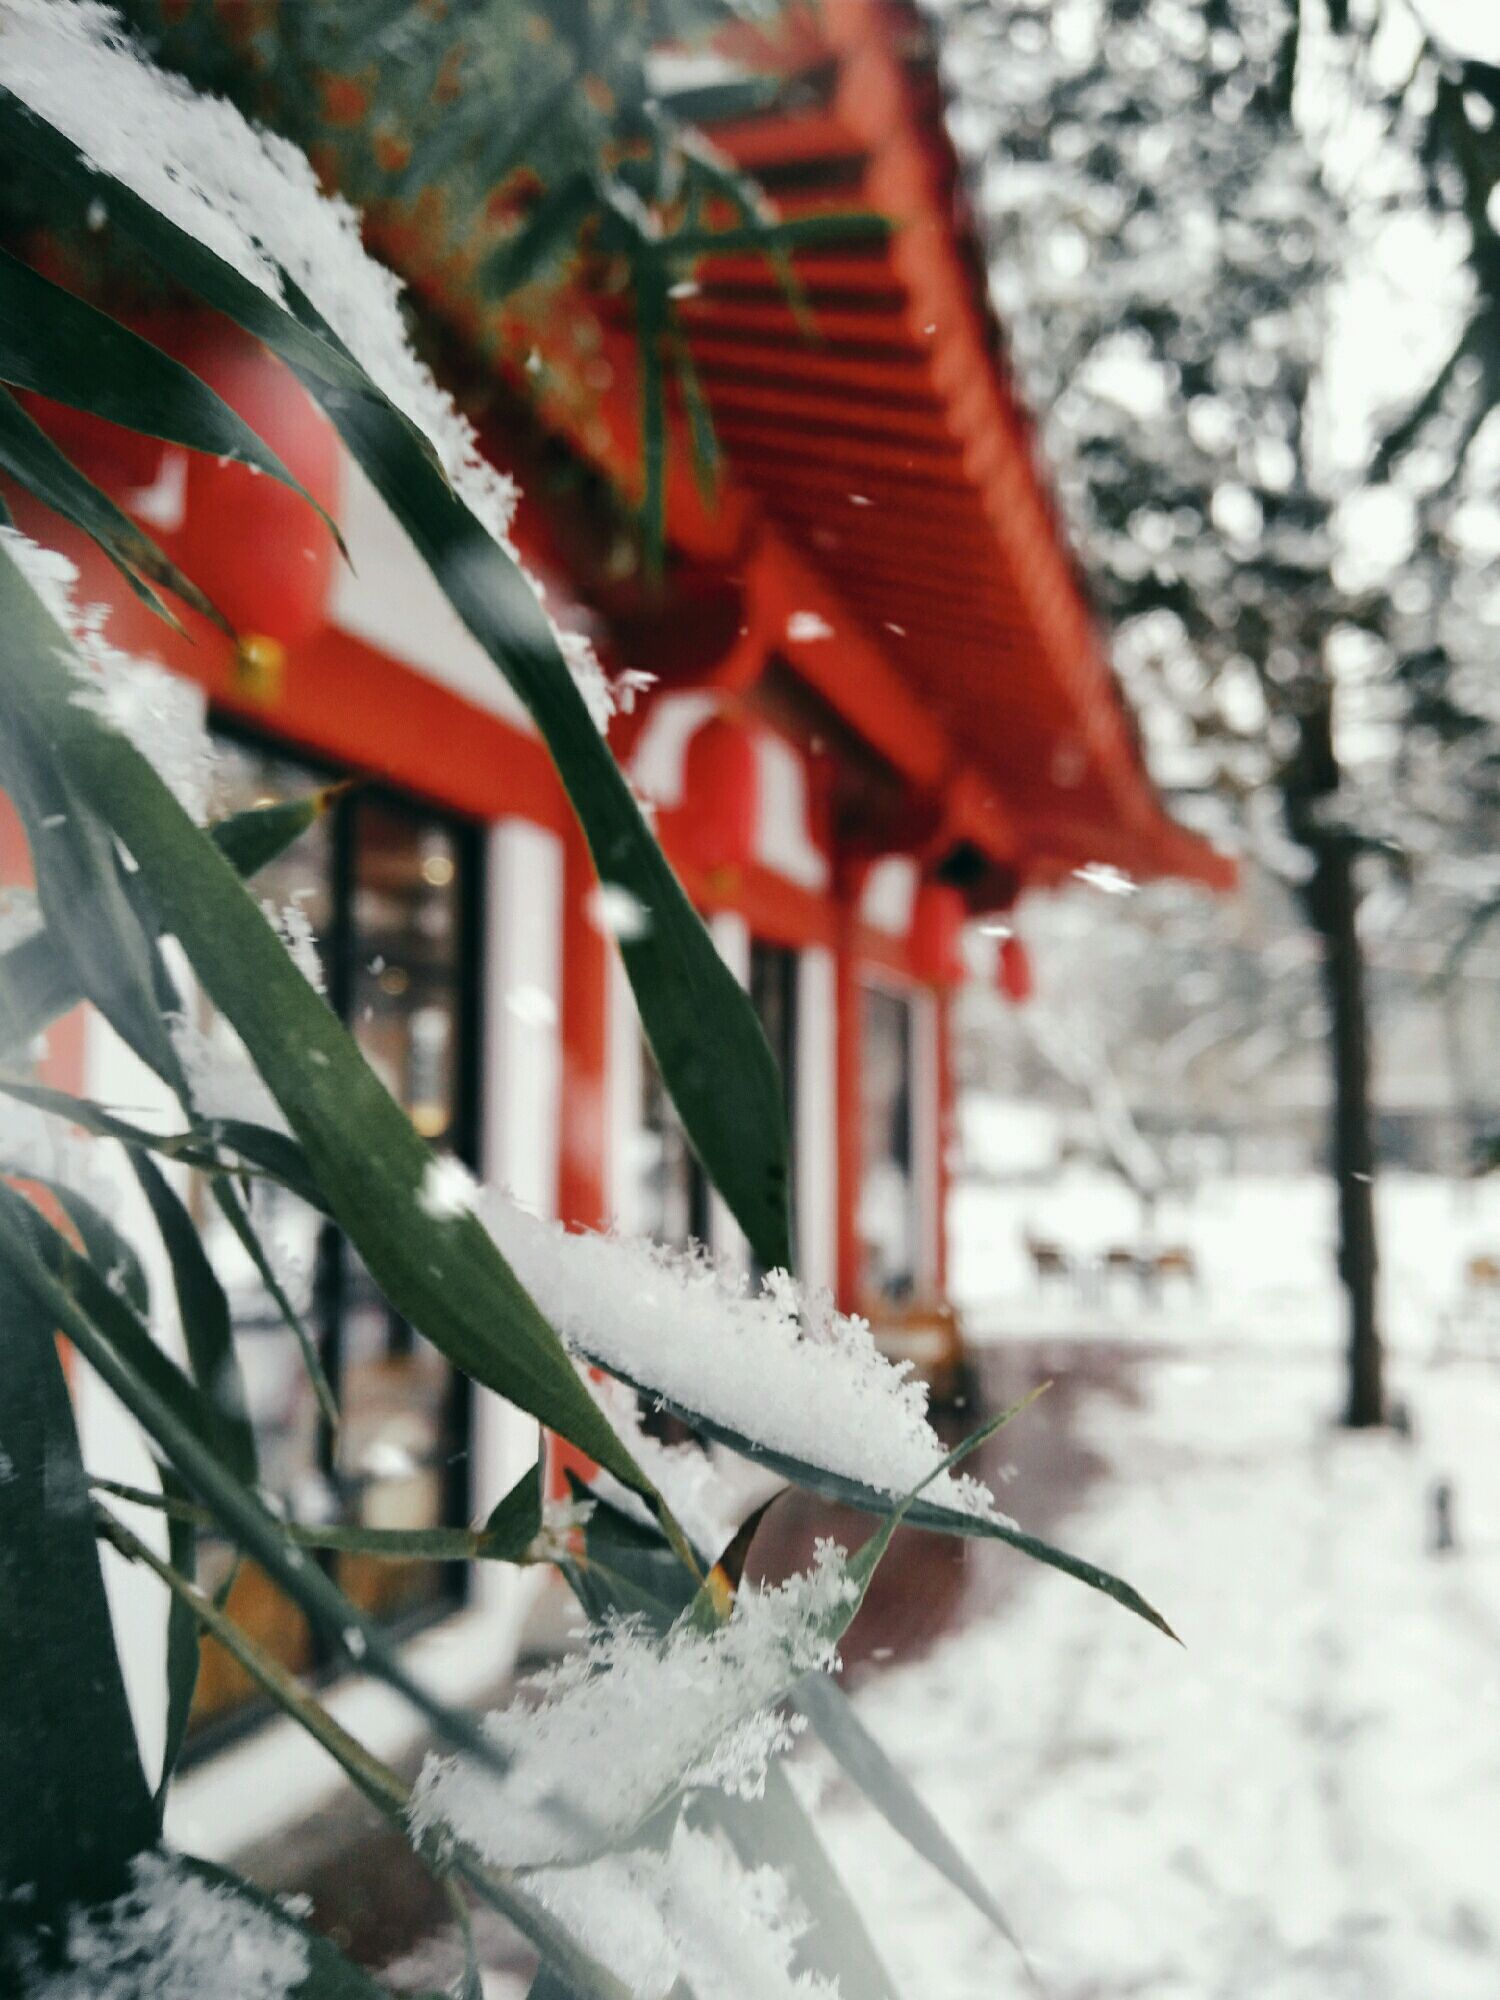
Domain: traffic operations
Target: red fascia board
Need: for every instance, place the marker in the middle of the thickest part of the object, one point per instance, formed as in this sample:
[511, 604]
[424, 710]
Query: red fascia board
[848, 669]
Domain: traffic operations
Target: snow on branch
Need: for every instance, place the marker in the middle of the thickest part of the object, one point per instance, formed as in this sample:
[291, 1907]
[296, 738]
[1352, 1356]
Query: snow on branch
[252, 198]
[599, 1742]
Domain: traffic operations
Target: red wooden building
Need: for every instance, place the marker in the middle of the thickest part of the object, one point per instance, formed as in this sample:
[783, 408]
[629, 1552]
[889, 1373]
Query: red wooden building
[881, 709]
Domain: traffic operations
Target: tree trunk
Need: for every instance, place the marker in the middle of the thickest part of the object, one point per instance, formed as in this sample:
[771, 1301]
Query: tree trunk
[1331, 898]
[1334, 898]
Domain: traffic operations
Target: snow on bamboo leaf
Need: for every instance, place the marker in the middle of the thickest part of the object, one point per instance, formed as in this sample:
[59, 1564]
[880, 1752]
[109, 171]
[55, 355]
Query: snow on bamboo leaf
[780, 1367]
[160, 713]
[170, 1935]
[633, 1718]
[688, 1913]
[252, 198]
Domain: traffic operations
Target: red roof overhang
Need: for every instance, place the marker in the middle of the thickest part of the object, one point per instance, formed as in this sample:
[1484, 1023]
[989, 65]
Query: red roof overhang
[879, 475]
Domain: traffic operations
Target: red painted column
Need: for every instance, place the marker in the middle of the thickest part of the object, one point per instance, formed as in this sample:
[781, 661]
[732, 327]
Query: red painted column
[583, 1142]
[849, 1083]
[946, 1136]
[583, 1197]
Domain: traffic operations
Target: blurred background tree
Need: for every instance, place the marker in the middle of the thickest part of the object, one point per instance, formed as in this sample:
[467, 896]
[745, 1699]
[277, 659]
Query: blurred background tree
[1210, 226]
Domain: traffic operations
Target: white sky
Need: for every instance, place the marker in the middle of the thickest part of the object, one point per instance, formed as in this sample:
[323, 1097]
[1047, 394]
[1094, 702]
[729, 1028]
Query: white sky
[1471, 27]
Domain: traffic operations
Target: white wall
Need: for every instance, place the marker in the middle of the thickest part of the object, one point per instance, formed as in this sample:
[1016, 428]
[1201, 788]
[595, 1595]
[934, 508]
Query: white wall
[389, 599]
[522, 1071]
[816, 1119]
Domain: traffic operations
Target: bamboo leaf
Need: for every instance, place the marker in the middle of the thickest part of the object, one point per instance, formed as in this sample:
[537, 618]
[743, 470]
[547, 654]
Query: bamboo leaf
[55, 343]
[776, 1831]
[914, 1513]
[445, 1276]
[28, 455]
[36, 982]
[704, 1033]
[204, 1312]
[547, 232]
[702, 1028]
[170, 1411]
[233, 1210]
[888, 1789]
[384, 1789]
[78, 1805]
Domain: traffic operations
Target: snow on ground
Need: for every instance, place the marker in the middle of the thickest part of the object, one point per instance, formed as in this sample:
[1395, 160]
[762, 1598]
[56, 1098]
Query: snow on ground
[1303, 1803]
[1264, 1248]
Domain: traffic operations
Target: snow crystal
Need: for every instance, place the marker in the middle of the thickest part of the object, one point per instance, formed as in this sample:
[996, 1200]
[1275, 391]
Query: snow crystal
[780, 1368]
[693, 1487]
[293, 926]
[20, 917]
[159, 713]
[613, 910]
[448, 1189]
[804, 626]
[631, 1718]
[175, 1936]
[253, 199]
[691, 1913]
[222, 1080]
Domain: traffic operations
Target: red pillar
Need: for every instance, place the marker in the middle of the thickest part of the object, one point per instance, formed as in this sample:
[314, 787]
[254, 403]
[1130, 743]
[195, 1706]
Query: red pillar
[583, 1142]
[850, 1086]
[583, 1200]
[946, 1136]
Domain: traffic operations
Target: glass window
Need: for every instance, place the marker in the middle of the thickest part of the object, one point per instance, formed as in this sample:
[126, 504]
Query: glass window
[773, 994]
[672, 1186]
[888, 1196]
[388, 887]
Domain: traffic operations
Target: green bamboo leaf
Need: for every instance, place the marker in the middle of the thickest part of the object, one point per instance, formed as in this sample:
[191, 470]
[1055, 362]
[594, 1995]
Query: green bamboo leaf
[110, 1253]
[379, 1784]
[915, 1513]
[890, 1791]
[58, 345]
[36, 982]
[254, 838]
[444, 1275]
[79, 1807]
[191, 1148]
[36, 987]
[777, 239]
[514, 1523]
[45, 152]
[549, 230]
[651, 332]
[708, 1043]
[776, 1831]
[233, 1210]
[203, 1310]
[172, 1413]
[81, 883]
[29, 456]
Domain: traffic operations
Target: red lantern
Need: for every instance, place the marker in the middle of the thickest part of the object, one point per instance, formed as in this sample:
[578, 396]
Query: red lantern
[119, 460]
[719, 818]
[1013, 970]
[936, 937]
[256, 547]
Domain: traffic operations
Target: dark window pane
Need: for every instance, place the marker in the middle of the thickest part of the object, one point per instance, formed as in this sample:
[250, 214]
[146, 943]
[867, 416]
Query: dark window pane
[887, 1199]
[673, 1189]
[386, 887]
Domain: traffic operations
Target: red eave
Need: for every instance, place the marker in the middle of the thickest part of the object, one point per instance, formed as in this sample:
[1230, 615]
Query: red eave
[879, 473]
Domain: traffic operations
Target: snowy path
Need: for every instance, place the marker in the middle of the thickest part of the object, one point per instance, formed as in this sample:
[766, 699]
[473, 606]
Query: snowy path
[1304, 1803]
